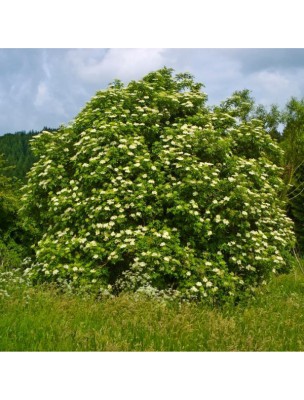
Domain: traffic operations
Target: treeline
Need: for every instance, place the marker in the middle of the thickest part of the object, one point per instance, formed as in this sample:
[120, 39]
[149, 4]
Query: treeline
[16, 150]
[16, 159]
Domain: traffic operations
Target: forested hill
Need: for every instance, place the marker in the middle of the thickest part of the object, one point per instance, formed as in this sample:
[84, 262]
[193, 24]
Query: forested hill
[17, 152]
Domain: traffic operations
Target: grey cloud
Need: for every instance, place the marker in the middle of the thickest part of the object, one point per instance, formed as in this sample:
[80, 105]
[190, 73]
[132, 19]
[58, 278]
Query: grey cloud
[96, 66]
[37, 89]
[253, 60]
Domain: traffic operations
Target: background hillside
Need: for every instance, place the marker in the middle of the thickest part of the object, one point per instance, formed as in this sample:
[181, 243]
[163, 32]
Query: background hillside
[16, 150]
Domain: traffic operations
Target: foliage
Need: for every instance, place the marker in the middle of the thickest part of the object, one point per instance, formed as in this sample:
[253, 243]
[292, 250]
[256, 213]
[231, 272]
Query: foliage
[12, 281]
[16, 234]
[8, 200]
[293, 138]
[287, 127]
[296, 202]
[16, 150]
[271, 118]
[293, 145]
[150, 191]
[242, 106]
[11, 251]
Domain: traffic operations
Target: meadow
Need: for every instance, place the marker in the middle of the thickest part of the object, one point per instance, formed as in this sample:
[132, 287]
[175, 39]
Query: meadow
[42, 319]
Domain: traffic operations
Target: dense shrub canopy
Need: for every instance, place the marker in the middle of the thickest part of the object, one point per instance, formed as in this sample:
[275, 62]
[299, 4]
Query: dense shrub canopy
[150, 190]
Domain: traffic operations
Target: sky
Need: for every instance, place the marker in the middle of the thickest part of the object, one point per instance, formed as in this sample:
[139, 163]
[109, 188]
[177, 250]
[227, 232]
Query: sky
[48, 87]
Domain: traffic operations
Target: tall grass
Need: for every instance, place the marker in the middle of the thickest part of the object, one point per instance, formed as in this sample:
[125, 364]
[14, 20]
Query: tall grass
[41, 319]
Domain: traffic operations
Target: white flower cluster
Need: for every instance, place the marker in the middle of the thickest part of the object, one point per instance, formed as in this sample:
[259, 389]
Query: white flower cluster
[9, 280]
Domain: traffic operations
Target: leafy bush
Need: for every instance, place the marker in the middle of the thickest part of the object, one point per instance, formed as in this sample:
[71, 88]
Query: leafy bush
[12, 232]
[149, 190]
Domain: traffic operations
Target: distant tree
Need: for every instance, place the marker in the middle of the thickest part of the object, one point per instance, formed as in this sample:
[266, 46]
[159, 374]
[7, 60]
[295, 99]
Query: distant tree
[8, 200]
[17, 152]
[293, 145]
[240, 105]
[243, 107]
[16, 149]
[272, 118]
[293, 138]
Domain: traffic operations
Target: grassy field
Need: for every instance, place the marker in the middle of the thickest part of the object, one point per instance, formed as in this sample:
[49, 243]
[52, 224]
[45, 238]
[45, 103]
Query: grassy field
[40, 319]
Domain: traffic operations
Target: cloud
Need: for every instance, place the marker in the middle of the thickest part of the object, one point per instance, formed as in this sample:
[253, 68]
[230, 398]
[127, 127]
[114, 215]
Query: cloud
[102, 67]
[42, 95]
[254, 60]
[277, 87]
[45, 65]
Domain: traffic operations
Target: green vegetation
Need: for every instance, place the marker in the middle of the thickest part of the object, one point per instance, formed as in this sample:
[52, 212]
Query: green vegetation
[149, 190]
[15, 148]
[287, 128]
[12, 231]
[41, 319]
[155, 223]
[293, 146]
